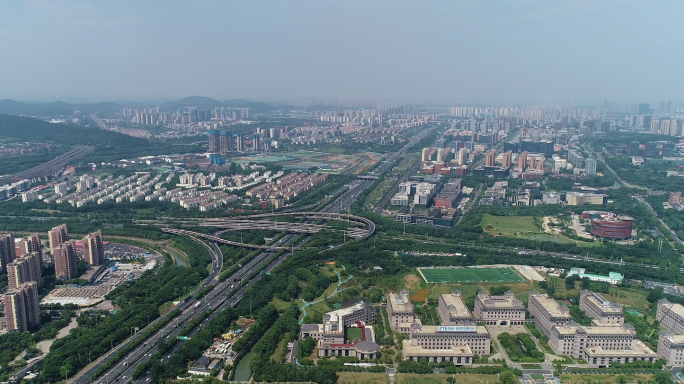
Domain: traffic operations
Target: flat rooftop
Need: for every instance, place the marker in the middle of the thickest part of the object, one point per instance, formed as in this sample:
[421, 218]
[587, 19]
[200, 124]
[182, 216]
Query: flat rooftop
[509, 301]
[674, 338]
[608, 330]
[638, 349]
[605, 305]
[442, 329]
[677, 309]
[551, 306]
[454, 350]
[400, 302]
[455, 305]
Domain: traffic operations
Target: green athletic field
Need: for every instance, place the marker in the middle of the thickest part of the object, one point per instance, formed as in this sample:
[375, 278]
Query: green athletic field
[470, 275]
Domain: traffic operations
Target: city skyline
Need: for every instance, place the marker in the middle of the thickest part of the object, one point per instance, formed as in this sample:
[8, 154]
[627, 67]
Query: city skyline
[450, 52]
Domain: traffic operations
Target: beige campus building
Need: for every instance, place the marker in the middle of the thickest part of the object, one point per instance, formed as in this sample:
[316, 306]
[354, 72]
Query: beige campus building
[671, 348]
[452, 310]
[671, 341]
[600, 346]
[505, 310]
[547, 312]
[400, 311]
[671, 316]
[439, 343]
[602, 311]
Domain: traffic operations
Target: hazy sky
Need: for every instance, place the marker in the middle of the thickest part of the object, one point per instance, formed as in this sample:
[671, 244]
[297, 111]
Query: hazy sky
[443, 51]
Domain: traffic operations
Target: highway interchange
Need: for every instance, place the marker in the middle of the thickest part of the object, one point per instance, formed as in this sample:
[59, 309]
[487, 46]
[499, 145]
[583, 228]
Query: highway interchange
[224, 294]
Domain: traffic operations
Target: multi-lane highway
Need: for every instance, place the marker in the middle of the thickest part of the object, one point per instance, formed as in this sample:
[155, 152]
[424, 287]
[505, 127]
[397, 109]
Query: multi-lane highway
[85, 374]
[51, 167]
[225, 294]
[344, 201]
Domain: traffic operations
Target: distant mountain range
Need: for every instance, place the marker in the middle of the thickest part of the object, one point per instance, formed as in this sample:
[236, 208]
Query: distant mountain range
[208, 103]
[58, 108]
[21, 128]
[55, 108]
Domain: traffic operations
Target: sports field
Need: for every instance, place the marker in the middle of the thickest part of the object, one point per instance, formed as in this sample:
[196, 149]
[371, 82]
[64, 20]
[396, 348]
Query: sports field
[470, 275]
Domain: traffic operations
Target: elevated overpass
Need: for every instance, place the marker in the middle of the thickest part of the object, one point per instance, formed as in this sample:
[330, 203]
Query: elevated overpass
[359, 228]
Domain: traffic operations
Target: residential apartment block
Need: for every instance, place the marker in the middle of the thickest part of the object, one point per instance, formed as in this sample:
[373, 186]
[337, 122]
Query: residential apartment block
[24, 269]
[505, 310]
[7, 250]
[21, 308]
[66, 261]
[93, 249]
[57, 236]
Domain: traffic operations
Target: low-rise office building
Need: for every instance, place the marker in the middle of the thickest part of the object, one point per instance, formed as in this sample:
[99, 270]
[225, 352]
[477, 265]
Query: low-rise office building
[439, 343]
[671, 316]
[452, 310]
[612, 278]
[600, 346]
[579, 198]
[547, 312]
[331, 334]
[671, 348]
[602, 311]
[400, 311]
[505, 310]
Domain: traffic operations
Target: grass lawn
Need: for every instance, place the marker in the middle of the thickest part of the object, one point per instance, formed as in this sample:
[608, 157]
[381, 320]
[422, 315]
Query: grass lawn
[470, 275]
[508, 225]
[321, 308]
[166, 308]
[605, 378]
[441, 378]
[629, 297]
[280, 305]
[523, 226]
[378, 192]
[280, 351]
[353, 333]
[362, 377]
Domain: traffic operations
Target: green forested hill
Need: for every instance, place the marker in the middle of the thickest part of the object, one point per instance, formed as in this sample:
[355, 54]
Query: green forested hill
[32, 130]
